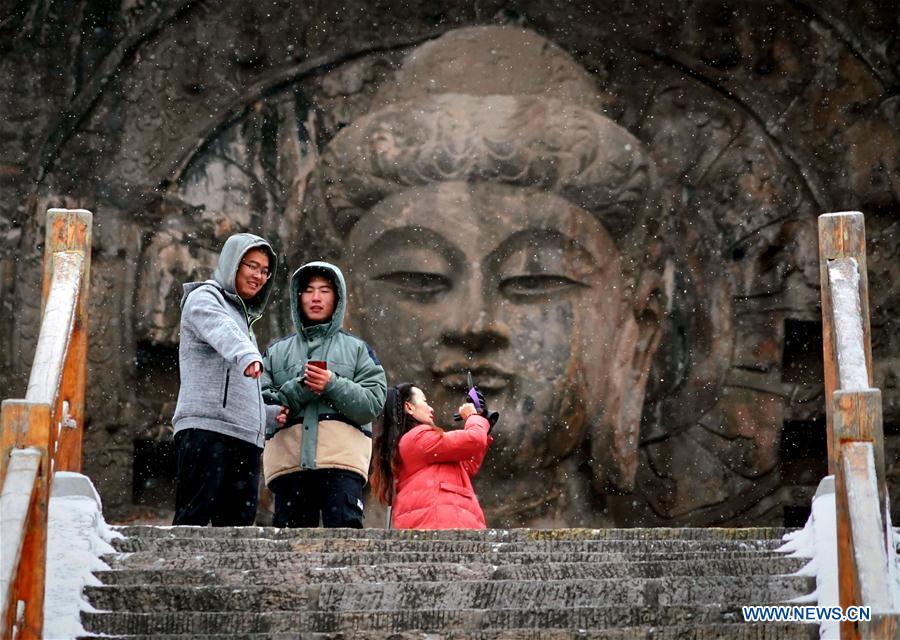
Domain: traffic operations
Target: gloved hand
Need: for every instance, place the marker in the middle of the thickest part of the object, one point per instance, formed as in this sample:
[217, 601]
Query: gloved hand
[492, 416]
[479, 405]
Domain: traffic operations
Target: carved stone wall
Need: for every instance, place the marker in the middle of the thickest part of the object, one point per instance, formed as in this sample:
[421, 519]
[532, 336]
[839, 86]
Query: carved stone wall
[180, 122]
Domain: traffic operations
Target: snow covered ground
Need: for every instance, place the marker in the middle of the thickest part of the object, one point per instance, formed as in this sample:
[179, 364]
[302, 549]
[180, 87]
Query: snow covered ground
[76, 537]
[818, 542]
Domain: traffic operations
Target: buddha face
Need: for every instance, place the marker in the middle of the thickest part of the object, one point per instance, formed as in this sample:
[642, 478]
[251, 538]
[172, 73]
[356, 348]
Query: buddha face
[518, 286]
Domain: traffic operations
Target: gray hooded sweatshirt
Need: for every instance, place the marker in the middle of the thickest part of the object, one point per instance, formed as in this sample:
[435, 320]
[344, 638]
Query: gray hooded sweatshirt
[217, 345]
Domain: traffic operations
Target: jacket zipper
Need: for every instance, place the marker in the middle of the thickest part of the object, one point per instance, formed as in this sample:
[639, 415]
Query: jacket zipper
[262, 411]
[227, 378]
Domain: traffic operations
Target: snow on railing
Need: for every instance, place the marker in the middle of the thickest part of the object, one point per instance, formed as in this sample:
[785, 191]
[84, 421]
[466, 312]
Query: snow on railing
[855, 430]
[32, 442]
[843, 278]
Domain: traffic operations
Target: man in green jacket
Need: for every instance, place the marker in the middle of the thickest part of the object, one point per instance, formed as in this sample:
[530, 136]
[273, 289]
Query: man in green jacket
[333, 386]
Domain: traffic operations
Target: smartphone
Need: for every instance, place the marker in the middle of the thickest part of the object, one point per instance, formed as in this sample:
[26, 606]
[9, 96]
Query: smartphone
[319, 363]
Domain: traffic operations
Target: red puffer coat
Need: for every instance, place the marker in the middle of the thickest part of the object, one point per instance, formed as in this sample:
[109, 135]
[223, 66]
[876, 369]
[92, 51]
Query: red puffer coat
[434, 485]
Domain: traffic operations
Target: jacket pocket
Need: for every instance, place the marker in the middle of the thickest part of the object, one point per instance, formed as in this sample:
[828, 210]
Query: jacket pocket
[225, 393]
[343, 370]
[457, 489]
[352, 511]
[282, 453]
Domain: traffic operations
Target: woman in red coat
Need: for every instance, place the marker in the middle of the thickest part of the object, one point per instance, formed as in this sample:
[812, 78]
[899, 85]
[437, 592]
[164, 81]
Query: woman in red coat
[424, 471]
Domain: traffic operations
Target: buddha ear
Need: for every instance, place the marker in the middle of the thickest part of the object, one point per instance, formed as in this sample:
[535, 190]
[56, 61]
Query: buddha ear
[616, 436]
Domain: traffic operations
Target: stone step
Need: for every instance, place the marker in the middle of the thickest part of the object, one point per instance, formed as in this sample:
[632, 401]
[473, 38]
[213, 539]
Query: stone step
[286, 561]
[737, 631]
[474, 594]
[459, 621]
[438, 571]
[501, 535]
[166, 546]
[499, 594]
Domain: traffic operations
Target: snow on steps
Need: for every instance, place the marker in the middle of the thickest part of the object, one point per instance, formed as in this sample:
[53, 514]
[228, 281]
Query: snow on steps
[253, 582]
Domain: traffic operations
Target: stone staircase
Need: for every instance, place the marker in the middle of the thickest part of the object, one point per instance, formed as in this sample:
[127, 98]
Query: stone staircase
[254, 583]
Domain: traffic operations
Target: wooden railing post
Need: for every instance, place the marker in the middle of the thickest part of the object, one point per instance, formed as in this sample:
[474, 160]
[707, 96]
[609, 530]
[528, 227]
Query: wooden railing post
[858, 421]
[49, 422]
[855, 430]
[32, 421]
[858, 418]
[70, 230]
[841, 235]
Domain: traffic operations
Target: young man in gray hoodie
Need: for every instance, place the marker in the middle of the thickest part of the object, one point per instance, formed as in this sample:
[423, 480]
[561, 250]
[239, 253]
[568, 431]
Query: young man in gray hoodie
[220, 420]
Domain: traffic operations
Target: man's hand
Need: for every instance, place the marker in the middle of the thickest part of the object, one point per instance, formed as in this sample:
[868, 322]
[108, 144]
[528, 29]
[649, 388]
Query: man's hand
[467, 410]
[316, 378]
[281, 420]
[253, 370]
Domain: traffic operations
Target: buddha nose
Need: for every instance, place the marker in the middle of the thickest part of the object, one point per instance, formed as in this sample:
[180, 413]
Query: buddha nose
[474, 325]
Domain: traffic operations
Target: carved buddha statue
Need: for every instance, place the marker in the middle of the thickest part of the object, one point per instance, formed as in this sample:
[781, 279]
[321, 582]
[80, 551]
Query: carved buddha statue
[495, 221]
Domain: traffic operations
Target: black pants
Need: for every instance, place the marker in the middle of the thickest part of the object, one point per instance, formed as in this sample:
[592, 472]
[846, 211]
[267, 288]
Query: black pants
[218, 479]
[301, 497]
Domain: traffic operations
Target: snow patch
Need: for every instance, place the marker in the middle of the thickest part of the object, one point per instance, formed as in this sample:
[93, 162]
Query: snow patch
[77, 535]
[848, 329]
[894, 554]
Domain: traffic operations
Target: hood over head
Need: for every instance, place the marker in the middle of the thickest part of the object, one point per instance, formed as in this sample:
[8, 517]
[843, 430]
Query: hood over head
[298, 281]
[230, 261]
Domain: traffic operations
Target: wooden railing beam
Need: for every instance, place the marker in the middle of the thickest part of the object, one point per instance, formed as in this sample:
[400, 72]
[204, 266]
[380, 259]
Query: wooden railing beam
[15, 506]
[855, 429]
[865, 580]
[882, 626]
[858, 418]
[69, 230]
[50, 420]
[60, 312]
[66, 230]
[841, 235]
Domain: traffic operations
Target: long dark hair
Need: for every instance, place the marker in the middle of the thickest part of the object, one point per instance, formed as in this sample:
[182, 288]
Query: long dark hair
[389, 428]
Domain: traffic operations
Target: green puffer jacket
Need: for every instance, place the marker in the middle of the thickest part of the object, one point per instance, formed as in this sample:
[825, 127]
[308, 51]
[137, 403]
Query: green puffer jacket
[331, 430]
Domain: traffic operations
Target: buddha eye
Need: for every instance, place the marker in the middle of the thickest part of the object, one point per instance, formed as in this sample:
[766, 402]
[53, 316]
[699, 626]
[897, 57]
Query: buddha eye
[530, 286]
[417, 285]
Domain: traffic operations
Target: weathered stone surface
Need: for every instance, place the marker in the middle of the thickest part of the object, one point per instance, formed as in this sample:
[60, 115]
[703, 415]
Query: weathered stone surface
[180, 122]
[492, 535]
[309, 573]
[144, 599]
[711, 632]
[211, 561]
[544, 618]
[505, 594]
[466, 589]
[169, 546]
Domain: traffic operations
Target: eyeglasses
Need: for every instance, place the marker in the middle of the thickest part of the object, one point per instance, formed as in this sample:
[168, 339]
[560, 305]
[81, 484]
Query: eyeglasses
[257, 269]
